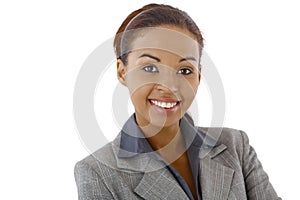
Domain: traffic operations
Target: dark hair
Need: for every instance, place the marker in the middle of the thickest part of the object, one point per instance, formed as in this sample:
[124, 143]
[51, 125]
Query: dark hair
[155, 15]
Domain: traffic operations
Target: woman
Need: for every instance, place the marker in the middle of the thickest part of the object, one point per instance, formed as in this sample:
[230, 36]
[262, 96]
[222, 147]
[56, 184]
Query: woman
[159, 153]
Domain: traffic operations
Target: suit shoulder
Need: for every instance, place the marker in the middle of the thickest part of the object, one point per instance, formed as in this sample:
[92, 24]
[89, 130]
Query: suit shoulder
[232, 136]
[223, 134]
[233, 139]
[100, 161]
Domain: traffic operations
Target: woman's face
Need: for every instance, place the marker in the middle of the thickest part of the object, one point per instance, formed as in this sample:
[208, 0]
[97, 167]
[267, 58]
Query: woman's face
[162, 75]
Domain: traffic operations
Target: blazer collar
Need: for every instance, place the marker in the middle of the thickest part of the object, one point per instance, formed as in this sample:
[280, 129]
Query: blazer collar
[215, 180]
[133, 141]
[159, 183]
[215, 177]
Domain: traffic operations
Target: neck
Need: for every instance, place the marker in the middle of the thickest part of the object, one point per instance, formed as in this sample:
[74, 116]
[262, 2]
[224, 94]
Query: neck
[167, 141]
[159, 137]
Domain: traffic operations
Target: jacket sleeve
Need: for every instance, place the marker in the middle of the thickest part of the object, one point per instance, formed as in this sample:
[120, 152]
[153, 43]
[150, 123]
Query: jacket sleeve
[257, 182]
[89, 184]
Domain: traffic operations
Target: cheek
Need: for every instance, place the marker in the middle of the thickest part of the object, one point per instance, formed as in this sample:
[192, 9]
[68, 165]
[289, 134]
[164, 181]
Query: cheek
[190, 88]
[136, 80]
[139, 95]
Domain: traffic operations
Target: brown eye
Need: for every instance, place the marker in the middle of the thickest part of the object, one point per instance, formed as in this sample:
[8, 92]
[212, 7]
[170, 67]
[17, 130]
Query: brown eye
[150, 68]
[185, 71]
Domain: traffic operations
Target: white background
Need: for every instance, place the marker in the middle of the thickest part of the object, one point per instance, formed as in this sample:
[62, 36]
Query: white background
[254, 45]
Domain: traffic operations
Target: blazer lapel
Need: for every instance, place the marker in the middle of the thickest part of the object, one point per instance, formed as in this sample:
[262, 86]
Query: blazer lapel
[159, 183]
[215, 178]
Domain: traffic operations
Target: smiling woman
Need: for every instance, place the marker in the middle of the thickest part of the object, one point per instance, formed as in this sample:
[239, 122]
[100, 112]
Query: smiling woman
[151, 92]
[159, 153]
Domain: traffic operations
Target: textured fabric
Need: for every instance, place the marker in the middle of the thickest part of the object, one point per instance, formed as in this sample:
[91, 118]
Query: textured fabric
[229, 170]
[133, 141]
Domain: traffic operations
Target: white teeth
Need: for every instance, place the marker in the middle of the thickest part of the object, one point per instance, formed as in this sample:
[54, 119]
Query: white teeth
[164, 104]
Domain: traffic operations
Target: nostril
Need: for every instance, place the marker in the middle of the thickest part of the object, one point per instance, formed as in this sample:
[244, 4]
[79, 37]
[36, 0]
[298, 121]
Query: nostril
[164, 88]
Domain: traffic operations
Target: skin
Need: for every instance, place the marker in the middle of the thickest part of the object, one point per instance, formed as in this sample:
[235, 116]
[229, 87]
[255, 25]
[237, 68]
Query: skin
[159, 72]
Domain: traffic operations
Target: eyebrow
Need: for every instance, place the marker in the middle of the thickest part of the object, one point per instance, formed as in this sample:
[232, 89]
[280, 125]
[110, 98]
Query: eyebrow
[150, 56]
[187, 58]
[158, 60]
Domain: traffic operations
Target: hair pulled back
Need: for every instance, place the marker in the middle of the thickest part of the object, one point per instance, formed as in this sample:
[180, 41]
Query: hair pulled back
[153, 15]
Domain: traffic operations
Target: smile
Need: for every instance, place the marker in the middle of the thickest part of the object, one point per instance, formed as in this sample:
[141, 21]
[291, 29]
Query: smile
[165, 105]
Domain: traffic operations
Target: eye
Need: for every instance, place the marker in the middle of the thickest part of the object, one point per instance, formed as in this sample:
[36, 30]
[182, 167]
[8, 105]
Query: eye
[150, 68]
[185, 71]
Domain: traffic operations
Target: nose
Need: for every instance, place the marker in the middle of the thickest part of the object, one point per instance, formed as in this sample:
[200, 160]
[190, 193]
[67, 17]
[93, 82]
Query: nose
[168, 82]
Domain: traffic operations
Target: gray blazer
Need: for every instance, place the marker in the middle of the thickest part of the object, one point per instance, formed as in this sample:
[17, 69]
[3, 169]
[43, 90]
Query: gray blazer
[230, 170]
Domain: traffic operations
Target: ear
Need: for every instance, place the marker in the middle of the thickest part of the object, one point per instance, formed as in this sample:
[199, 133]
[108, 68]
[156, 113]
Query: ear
[121, 71]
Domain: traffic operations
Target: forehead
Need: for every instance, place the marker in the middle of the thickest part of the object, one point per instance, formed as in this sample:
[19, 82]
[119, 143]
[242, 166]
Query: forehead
[174, 40]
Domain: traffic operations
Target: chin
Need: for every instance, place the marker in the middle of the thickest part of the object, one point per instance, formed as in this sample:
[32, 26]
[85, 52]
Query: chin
[165, 122]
